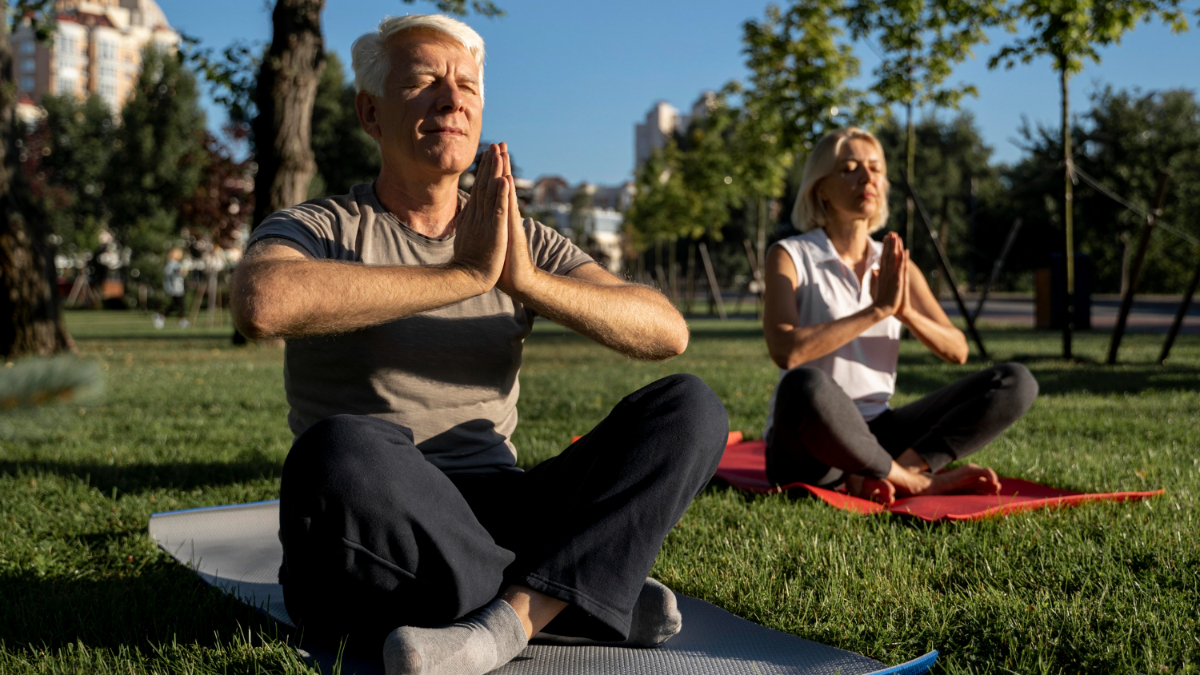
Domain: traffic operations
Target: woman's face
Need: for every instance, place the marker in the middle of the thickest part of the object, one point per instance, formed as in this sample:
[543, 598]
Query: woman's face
[855, 188]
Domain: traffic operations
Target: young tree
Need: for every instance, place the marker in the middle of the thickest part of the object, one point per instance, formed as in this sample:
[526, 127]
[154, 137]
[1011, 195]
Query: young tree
[957, 173]
[1071, 33]
[922, 41]
[30, 322]
[160, 152]
[344, 153]
[66, 161]
[760, 166]
[799, 70]
[796, 93]
[223, 199]
[1123, 142]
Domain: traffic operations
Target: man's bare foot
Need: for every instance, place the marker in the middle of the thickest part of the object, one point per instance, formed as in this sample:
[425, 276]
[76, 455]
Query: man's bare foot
[874, 489]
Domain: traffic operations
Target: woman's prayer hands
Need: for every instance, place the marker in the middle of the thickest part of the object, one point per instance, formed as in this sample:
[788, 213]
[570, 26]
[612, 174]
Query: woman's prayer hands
[481, 239]
[889, 284]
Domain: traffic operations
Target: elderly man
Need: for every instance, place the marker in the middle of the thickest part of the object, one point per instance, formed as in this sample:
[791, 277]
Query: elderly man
[405, 304]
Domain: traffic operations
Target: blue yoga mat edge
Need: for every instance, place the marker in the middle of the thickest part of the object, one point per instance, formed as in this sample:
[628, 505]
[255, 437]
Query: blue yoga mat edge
[917, 666]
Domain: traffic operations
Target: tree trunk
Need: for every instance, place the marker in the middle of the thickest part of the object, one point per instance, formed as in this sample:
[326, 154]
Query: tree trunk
[287, 88]
[910, 165]
[1068, 213]
[27, 288]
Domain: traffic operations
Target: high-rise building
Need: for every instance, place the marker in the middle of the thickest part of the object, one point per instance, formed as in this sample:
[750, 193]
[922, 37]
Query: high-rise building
[662, 121]
[97, 49]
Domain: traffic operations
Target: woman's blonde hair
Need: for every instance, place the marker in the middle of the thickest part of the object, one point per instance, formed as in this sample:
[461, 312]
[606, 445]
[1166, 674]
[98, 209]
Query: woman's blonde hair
[809, 211]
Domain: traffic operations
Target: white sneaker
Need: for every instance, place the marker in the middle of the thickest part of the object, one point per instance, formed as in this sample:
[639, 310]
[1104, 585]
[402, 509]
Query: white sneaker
[184, 323]
[159, 321]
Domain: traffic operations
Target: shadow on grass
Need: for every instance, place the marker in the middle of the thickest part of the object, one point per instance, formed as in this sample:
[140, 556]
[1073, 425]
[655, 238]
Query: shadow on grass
[162, 603]
[1071, 380]
[153, 337]
[138, 478]
[755, 334]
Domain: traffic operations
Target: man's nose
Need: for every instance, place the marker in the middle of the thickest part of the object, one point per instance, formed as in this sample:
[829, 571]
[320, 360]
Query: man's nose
[449, 98]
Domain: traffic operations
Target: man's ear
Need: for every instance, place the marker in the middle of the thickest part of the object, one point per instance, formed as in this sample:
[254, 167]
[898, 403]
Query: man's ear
[368, 114]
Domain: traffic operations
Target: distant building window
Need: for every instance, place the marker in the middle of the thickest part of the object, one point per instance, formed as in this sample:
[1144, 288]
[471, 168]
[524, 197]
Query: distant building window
[28, 48]
[28, 66]
[108, 91]
[108, 51]
[108, 74]
[65, 86]
[27, 84]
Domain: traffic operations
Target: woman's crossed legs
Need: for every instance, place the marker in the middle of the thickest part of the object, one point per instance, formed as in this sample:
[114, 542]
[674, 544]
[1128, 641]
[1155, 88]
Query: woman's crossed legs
[820, 438]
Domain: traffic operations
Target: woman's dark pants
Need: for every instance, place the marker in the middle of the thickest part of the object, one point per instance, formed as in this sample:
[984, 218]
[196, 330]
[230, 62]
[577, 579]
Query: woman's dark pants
[376, 537]
[819, 436]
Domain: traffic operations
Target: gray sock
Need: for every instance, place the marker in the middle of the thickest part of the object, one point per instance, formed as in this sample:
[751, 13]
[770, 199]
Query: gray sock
[656, 616]
[480, 643]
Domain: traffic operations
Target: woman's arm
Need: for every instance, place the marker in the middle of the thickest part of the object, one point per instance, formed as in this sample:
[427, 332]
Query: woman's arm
[791, 344]
[922, 314]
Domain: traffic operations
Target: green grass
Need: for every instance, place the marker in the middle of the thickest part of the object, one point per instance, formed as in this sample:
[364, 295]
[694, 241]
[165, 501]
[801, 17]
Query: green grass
[190, 421]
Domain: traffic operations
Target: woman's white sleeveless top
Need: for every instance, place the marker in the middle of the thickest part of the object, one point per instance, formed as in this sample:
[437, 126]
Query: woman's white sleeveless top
[827, 289]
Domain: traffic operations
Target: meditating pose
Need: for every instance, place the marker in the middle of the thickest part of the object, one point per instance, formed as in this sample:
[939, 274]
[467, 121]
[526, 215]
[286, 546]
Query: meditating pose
[404, 305]
[835, 304]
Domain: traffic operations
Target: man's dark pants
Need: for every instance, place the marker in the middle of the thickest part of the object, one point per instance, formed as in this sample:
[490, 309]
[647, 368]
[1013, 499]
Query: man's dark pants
[376, 537]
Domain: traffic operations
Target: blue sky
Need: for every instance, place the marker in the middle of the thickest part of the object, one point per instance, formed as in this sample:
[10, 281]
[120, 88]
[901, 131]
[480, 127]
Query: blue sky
[567, 81]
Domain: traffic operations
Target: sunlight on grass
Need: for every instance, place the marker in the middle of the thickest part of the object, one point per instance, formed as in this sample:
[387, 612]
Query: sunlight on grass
[188, 420]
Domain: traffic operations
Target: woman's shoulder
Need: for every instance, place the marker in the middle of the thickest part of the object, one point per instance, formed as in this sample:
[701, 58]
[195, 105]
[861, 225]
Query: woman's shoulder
[811, 244]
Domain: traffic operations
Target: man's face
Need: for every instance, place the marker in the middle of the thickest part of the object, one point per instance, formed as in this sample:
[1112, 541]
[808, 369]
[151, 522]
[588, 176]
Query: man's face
[428, 119]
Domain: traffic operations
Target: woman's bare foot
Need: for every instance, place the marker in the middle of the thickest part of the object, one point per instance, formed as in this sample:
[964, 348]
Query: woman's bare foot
[874, 489]
[965, 480]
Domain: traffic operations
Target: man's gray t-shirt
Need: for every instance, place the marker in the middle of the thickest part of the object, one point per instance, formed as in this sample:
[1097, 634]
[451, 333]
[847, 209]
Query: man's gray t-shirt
[449, 374]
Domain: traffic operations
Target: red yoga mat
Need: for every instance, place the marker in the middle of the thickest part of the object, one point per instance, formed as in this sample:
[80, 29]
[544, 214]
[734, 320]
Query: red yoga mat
[744, 466]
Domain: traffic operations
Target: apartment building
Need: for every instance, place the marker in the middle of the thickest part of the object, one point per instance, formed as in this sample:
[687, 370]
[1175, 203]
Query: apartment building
[96, 49]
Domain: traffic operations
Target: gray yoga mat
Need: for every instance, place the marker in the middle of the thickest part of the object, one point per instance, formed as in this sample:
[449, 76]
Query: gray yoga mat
[236, 549]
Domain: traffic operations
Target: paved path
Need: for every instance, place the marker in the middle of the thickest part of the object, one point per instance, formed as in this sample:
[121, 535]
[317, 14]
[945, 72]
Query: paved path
[1151, 313]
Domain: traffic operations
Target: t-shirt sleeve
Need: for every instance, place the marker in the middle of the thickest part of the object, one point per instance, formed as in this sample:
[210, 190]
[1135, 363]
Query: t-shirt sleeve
[551, 251]
[307, 225]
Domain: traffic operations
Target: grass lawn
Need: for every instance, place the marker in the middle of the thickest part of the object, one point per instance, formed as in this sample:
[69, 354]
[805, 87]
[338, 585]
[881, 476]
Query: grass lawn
[190, 421]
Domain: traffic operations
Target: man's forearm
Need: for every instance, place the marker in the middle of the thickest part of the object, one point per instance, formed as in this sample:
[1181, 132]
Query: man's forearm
[300, 298]
[629, 318]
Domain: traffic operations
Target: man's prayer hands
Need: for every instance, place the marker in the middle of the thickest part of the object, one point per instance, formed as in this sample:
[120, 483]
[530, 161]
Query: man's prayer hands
[490, 242]
[482, 230]
[519, 271]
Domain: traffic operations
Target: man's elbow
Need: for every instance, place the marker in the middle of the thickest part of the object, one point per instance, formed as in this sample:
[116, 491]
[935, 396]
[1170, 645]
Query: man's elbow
[253, 326]
[250, 315]
[676, 343]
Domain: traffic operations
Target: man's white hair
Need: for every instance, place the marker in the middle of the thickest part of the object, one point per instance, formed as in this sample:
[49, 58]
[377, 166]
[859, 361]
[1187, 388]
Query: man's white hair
[369, 56]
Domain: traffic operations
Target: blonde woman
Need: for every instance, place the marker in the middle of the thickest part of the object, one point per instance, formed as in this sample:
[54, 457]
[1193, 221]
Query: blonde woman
[835, 303]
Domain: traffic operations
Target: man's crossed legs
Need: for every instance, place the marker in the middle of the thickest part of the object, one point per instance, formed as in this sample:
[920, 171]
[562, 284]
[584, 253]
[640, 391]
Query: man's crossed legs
[376, 538]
